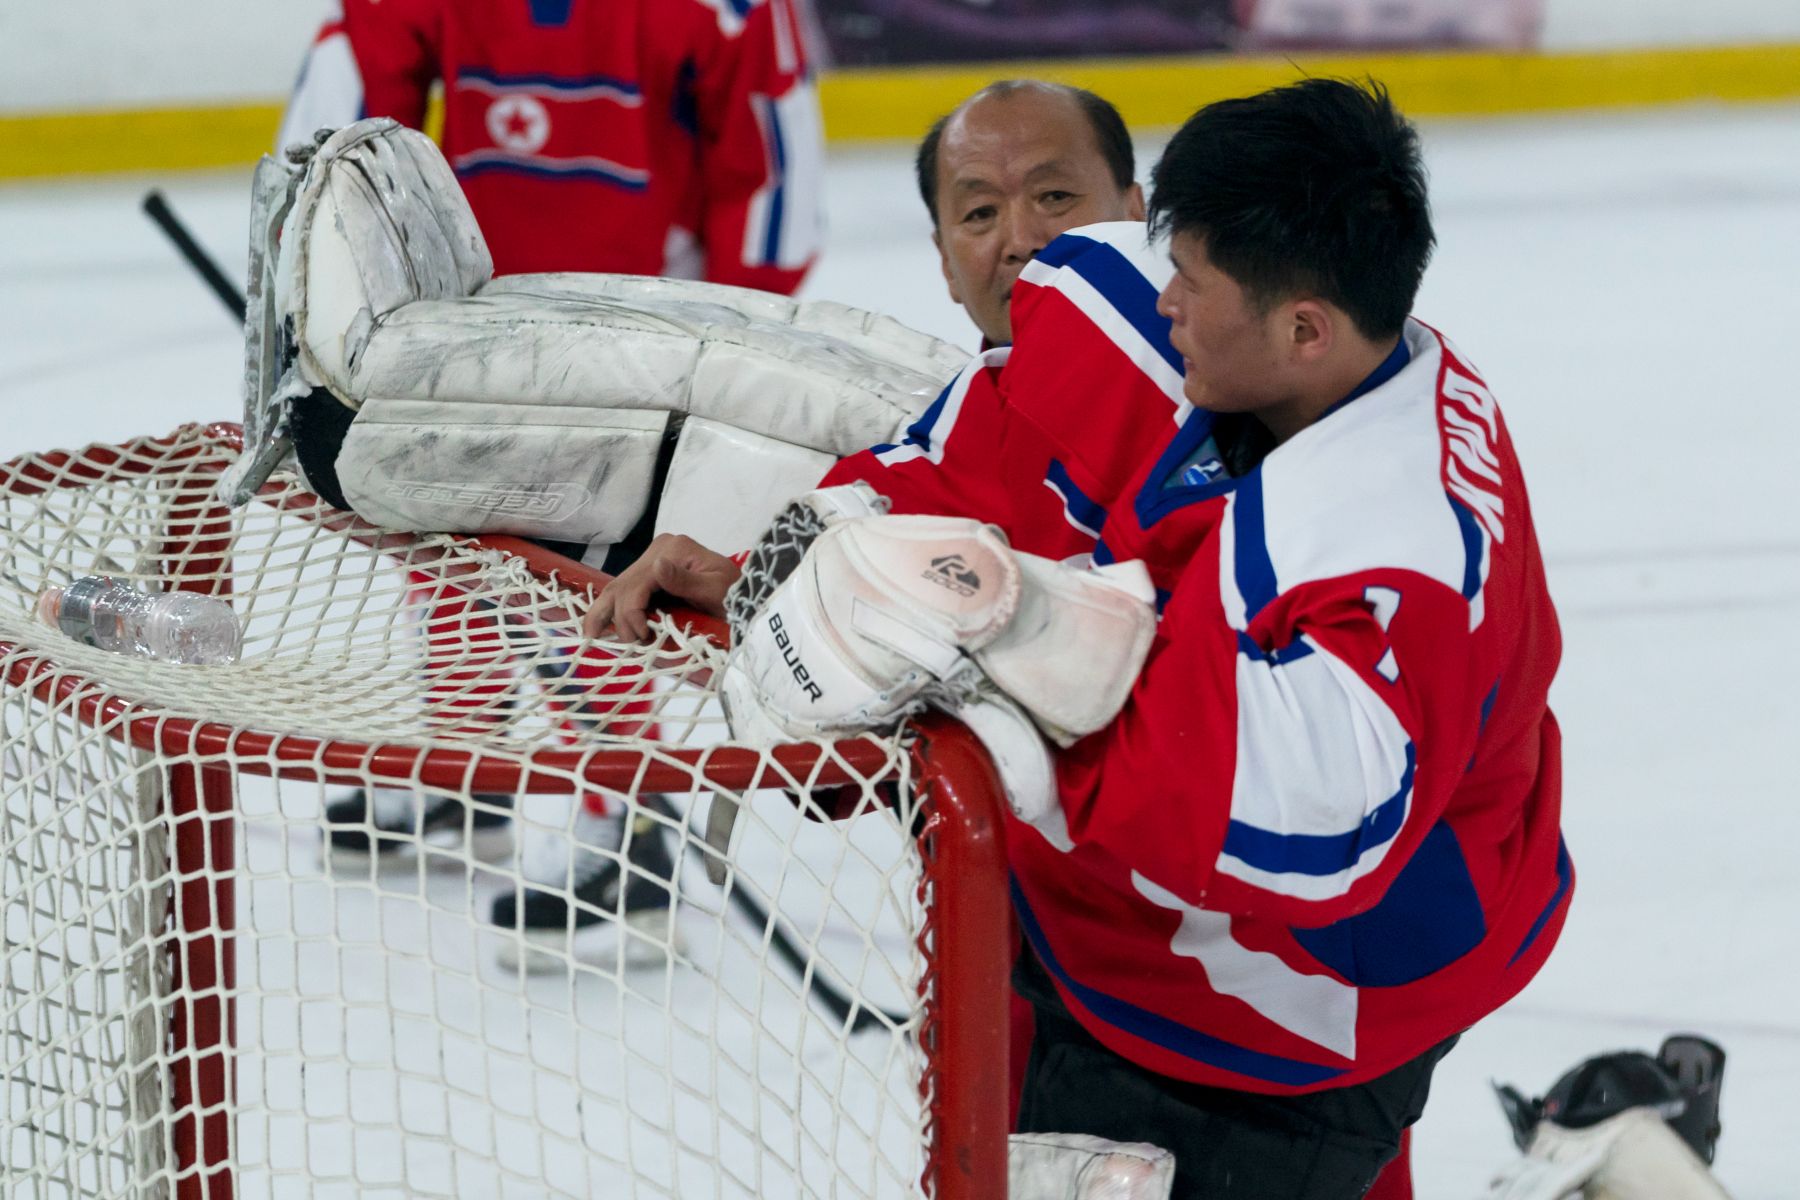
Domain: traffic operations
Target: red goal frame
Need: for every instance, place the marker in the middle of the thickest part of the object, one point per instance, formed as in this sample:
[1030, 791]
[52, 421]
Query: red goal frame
[965, 941]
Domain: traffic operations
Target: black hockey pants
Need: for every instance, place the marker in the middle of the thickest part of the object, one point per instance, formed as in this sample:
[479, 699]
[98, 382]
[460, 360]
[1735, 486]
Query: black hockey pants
[1228, 1145]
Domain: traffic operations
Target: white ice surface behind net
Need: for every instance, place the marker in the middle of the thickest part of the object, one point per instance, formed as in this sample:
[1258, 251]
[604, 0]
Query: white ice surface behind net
[1626, 283]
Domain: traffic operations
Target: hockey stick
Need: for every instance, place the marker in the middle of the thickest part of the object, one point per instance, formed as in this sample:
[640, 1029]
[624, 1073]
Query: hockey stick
[156, 207]
[840, 1006]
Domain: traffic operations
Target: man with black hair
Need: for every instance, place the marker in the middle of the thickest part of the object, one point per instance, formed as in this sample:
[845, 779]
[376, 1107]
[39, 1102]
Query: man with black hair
[1320, 835]
[1338, 774]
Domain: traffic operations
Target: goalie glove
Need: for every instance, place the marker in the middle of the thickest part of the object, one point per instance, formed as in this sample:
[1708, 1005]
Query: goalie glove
[846, 624]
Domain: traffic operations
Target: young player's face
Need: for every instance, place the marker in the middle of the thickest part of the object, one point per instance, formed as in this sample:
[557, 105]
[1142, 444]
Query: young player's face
[1014, 171]
[1234, 355]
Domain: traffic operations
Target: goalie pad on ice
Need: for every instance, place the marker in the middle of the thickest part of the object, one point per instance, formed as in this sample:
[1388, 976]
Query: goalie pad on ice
[1077, 1166]
[382, 296]
[880, 616]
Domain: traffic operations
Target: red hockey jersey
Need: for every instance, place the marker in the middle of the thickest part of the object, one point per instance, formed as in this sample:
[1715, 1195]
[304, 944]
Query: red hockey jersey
[1324, 833]
[655, 137]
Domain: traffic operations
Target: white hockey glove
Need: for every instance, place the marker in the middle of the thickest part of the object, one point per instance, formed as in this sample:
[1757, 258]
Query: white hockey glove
[881, 616]
[1077, 1166]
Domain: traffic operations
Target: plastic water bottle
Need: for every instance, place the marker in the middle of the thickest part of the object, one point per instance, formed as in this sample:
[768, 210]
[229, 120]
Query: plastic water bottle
[176, 627]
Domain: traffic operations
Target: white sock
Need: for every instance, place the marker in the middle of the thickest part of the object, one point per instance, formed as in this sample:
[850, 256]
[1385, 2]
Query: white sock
[564, 853]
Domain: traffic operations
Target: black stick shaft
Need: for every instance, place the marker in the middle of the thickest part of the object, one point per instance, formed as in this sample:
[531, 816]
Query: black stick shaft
[840, 1006]
[156, 207]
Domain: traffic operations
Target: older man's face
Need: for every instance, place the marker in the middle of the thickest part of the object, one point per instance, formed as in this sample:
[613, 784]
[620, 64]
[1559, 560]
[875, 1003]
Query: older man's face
[1014, 171]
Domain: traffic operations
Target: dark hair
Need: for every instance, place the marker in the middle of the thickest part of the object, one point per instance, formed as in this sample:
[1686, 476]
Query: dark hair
[1109, 132]
[1317, 187]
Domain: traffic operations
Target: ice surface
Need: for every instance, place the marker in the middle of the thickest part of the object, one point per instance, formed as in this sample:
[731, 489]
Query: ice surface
[1628, 286]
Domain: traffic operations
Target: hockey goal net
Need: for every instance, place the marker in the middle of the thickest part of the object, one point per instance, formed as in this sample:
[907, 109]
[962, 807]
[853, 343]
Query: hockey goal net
[197, 1001]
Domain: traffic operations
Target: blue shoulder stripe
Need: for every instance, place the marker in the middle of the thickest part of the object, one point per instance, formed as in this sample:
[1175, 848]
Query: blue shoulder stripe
[1252, 566]
[1120, 283]
[919, 432]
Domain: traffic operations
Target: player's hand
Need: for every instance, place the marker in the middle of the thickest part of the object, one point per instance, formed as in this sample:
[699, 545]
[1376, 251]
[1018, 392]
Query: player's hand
[673, 565]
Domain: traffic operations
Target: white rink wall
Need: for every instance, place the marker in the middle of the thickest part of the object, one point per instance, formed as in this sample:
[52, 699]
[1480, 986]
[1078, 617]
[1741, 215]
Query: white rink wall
[106, 54]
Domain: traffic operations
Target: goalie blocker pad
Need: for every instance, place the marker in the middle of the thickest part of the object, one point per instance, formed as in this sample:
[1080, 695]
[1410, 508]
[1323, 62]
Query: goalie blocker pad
[536, 404]
[883, 615]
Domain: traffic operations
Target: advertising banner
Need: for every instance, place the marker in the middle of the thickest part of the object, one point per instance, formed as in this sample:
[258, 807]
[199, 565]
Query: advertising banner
[880, 32]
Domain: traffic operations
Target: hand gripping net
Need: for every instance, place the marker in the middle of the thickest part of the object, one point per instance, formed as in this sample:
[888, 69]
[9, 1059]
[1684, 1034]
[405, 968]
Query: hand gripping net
[193, 1004]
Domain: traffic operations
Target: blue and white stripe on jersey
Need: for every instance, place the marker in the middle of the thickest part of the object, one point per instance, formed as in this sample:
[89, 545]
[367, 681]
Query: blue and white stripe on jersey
[576, 88]
[1309, 827]
[590, 167]
[926, 437]
[1293, 521]
[1110, 274]
[1316, 1007]
[1078, 510]
[785, 221]
[1162, 1031]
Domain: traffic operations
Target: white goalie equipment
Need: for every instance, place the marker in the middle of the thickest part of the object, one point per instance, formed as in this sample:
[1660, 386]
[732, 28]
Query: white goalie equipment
[538, 405]
[846, 619]
[1077, 1166]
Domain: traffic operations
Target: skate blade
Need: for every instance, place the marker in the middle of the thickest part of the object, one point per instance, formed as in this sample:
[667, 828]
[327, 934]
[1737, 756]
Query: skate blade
[443, 850]
[652, 938]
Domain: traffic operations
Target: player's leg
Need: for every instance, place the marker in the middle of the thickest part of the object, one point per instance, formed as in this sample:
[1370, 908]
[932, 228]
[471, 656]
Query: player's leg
[1395, 1180]
[605, 893]
[468, 665]
[1324, 1146]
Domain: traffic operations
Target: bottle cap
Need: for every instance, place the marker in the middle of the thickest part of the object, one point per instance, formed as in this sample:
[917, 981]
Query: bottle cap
[47, 605]
[75, 614]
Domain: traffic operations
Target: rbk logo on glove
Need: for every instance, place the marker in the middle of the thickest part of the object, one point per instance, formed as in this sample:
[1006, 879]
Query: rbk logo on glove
[952, 572]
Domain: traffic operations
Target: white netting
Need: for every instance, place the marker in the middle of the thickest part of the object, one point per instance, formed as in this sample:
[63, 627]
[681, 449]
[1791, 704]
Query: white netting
[391, 1040]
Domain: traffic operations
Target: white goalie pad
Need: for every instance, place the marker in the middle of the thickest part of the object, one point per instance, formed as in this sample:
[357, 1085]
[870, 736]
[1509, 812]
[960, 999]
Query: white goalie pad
[788, 371]
[726, 484]
[378, 222]
[382, 282]
[1077, 1166]
[568, 474]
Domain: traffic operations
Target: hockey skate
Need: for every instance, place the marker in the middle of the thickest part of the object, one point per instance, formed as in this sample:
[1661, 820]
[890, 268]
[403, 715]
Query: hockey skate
[607, 902]
[1619, 1126]
[398, 824]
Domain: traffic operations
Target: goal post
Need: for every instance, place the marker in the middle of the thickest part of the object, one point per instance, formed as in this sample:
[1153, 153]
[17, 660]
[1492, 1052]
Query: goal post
[197, 1002]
